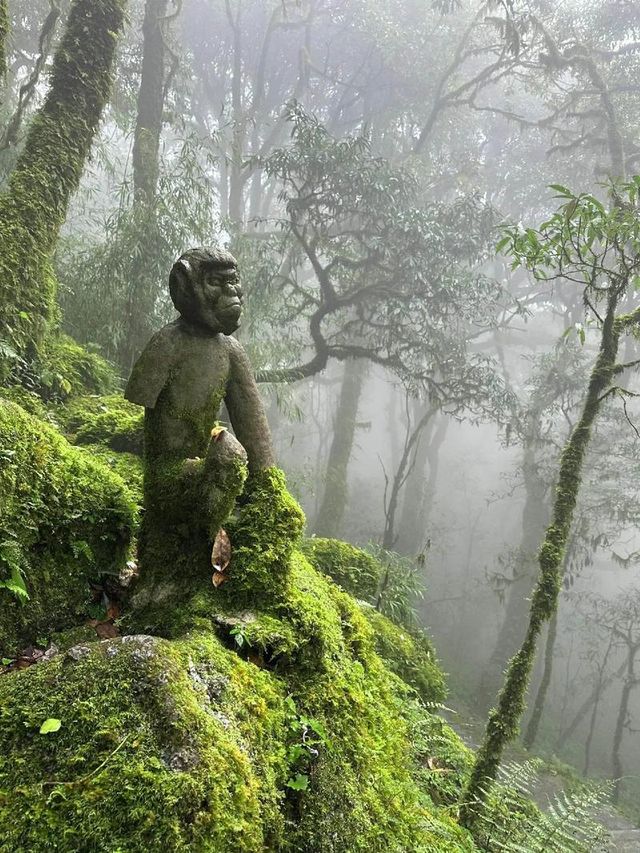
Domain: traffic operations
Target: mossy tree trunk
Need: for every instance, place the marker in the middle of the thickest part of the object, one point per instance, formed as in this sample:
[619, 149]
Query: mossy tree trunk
[4, 34]
[47, 173]
[503, 722]
[334, 499]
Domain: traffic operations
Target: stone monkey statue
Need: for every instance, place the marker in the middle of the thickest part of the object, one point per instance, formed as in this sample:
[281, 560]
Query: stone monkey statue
[185, 372]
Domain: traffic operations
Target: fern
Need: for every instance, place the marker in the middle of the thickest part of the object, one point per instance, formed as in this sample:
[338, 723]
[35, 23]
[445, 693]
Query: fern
[512, 824]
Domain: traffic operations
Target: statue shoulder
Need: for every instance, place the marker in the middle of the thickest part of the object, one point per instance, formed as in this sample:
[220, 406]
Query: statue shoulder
[237, 353]
[151, 371]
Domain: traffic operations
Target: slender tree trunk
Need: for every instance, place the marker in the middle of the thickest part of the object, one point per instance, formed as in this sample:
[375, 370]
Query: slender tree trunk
[420, 489]
[621, 722]
[599, 690]
[582, 712]
[541, 696]
[503, 721]
[400, 477]
[138, 314]
[48, 171]
[331, 512]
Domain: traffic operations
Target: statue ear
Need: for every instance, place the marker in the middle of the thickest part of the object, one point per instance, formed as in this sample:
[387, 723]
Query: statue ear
[181, 282]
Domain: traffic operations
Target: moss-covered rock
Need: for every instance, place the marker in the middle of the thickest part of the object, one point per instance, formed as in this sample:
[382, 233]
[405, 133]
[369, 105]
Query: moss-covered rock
[357, 572]
[409, 653]
[184, 745]
[67, 369]
[106, 420]
[65, 519]
[162, 747]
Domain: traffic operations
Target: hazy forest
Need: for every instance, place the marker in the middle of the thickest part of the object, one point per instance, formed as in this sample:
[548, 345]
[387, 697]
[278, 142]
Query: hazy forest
[319, 426]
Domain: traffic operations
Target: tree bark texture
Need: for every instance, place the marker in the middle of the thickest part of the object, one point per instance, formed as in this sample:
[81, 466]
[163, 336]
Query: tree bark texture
[331, 512]
[48, 171]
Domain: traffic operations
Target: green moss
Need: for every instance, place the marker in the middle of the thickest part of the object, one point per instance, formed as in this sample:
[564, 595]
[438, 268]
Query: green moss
[66, 369]
[64, 519]
[107, 420]
[267, 529]
[28, 400]
[196, 746]
[34, 206]
[171, 747]
[127, 466]
[356, 571]
[408, 653]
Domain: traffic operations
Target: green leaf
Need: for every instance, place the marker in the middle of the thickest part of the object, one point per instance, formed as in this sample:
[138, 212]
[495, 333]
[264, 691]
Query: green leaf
[6, 661]
[50, 725]
[502, 243]
[300, 783]
[562, 191]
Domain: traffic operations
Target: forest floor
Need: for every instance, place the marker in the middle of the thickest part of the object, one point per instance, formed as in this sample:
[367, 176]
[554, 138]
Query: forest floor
[550, 781]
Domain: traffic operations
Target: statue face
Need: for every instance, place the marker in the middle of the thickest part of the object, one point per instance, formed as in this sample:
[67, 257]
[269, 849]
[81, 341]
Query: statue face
[217, 300]
[205, 289]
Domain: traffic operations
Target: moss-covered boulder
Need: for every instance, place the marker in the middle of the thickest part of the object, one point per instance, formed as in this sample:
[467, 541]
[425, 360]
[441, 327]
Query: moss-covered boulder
[66, 369]
[106, 420]
[357, 572]
[256, 731]
[65, 519]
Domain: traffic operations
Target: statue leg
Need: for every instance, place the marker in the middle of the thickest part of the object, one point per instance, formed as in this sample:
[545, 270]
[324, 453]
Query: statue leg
[186, 505]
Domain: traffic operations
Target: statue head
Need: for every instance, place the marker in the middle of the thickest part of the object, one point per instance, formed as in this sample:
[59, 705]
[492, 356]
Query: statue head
[205, 289]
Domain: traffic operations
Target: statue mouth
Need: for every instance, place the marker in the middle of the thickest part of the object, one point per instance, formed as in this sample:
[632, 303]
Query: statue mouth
[231, 306]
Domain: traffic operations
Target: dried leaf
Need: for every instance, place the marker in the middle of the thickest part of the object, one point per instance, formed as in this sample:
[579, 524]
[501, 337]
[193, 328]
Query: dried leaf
[221, 552]
[217, 579]
[217, 432]
[106, 630]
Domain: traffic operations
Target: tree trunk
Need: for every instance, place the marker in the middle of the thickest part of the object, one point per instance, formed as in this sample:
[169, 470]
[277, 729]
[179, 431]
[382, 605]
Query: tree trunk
[331, 512]
[621, 722]
[146, 138]
[421, 485]
[139, 310]
[48, 171]
[405, 466]
[503, 721]
[599, 690]
[541, 696]
[582, 712]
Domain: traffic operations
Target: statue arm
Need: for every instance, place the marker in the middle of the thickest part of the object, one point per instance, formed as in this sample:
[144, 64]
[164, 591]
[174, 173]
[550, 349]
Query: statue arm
[246, 411]
[151, 370]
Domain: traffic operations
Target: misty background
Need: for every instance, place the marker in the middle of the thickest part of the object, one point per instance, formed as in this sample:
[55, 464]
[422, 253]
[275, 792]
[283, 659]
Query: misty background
[360, 158]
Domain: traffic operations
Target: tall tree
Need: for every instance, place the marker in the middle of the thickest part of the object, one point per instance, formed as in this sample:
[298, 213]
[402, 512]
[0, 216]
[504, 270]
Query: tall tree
[598, 248]
[35, 203]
